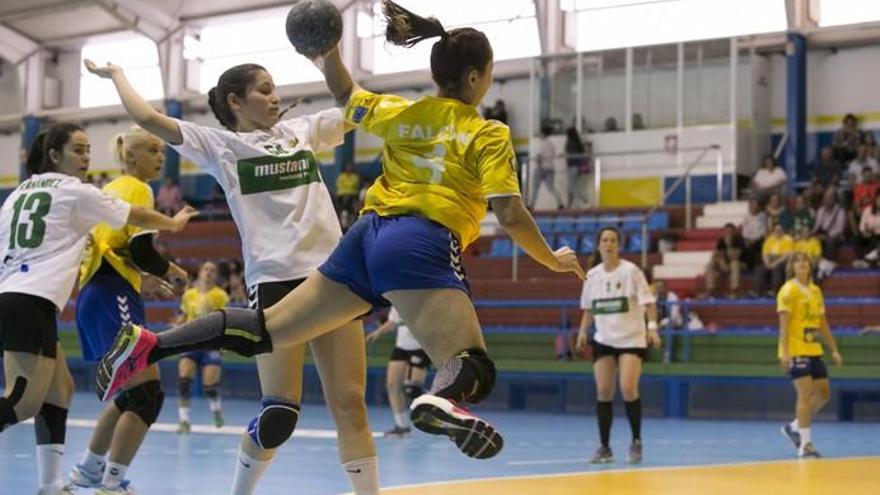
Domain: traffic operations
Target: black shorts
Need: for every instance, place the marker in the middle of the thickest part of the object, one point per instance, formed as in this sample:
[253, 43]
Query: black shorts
[417, 359]
[812, 366]
[262, 296]
[600, 350]
[28, 324]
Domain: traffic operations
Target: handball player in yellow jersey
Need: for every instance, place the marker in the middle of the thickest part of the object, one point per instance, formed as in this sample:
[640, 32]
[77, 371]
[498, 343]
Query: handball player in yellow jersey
[442, 162]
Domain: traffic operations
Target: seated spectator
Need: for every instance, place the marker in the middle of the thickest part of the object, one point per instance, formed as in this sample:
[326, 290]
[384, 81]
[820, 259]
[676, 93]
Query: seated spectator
[610, 125]
[169, 201]
[871, 142]
[805, 242]
[847, 139]
[777, 213]
[237, 288]
[830, 222]
[726, 259]
[863, 160]
[826, 170]
[869, 228]
[348, 185]
[813, 195]
[668, 311]
[802, 216]
[638, 122]
[754, 228]
[866, 190]
[496, 112]
[768, 179]
[775, 253]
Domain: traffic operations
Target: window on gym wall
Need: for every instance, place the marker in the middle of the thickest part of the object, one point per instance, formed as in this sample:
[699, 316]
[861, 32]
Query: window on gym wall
[260, 38]
[838, 12]
[603, 24]
[510, 25]
[135, 53]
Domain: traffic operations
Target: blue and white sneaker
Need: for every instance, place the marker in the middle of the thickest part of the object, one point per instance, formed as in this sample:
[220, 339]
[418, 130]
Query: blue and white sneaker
[808, 451]
[124, 488]
[83, 478]
[791, 434]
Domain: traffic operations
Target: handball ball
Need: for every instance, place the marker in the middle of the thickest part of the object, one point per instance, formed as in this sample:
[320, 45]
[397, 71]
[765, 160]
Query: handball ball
[314, 27]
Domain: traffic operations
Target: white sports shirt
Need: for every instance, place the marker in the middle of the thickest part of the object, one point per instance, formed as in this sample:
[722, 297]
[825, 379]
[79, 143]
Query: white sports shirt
[44, 226]
[616, 299]
[405, 339]
[275, 192]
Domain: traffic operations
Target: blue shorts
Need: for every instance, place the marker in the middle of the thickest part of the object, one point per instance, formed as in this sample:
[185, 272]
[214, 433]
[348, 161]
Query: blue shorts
[204, 358]
[812, 366]
[105, 304]
[407, 252]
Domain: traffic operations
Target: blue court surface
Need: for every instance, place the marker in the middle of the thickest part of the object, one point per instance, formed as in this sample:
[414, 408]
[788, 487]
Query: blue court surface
[536, 443]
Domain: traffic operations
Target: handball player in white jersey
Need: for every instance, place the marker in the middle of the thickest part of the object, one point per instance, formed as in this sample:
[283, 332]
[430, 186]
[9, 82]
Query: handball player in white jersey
[616, 296]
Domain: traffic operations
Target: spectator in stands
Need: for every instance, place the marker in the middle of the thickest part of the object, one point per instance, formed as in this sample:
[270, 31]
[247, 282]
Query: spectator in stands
[610, 125]
[754, 228]
[826, 170]
[668, 314]
[862, 161]
[348, 185]
[768, 179]
[169, 198]
[869, 228]
[578, 164]
[873, 149]
[777, 249]
[545, 169]
[866, 190]
[777, 213]
[638, 123]
[802, 216]
[237, 287]
[813, 195]
[496, 112]
[847, 139]
[726, 259]
[830, 222]
[805, 242]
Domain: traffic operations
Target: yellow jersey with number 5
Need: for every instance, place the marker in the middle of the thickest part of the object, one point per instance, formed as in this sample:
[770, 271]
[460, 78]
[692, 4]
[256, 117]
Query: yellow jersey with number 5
[440, 160]
[806, 308]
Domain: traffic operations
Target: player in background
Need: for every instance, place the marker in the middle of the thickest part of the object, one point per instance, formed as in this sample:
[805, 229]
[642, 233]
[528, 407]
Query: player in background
[45, 223]
[406, 371]
[616, 296]
[802, 323]
[200, 299]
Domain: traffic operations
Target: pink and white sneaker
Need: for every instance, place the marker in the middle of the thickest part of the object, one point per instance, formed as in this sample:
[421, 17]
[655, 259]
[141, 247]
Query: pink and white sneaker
[126, 357]
[474, 436]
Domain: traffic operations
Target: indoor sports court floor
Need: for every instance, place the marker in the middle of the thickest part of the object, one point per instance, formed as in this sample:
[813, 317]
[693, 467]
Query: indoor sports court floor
[545, 454]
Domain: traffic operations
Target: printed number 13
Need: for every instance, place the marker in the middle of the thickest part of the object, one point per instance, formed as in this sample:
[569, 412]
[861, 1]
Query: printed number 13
[434, 164]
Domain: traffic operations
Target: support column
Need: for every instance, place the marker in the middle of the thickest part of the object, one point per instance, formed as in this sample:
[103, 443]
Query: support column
[796, 105]
[30, 129]
[173, 108]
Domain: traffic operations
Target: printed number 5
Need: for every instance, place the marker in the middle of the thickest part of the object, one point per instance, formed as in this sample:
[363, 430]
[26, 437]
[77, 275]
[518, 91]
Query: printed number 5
[434, 164]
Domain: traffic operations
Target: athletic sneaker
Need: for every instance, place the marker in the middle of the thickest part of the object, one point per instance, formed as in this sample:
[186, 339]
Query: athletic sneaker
[126, 358]
[603, 455]
[82, 477]
[438, 416]
[809, 450]
[183, 428]
[791, 434]
[635, 452]
[218, 419]
[398, 432]
[65, 490]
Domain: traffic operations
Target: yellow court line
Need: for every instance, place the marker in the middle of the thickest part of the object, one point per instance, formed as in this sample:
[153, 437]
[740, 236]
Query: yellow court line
[850, 476]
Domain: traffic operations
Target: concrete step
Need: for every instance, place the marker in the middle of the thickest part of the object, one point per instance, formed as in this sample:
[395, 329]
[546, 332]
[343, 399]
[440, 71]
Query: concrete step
[678, 271]
[700, 258]
[696, 245]
[718, 221]
[728, 208]
[702, 234]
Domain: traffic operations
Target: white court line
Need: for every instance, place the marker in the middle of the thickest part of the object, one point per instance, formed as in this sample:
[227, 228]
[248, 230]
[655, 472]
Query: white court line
[210, 429]
[541, 462]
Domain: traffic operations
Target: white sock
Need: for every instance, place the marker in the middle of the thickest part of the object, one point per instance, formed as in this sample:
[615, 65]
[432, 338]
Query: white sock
[363, 474]
[214, 404]
[794, 425]
[248, 472]
[183, 412]
[49, 460]
[805, 437]
[93, 462]
[402, 419]
[114, 475]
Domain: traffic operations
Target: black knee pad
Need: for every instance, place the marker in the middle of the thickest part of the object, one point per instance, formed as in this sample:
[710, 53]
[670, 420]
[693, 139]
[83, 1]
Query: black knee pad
[275, 423]
[412, 390]
[467, 377]
[50, 425]
[7, 404]
[184, 388]
[213, 391]
[145, 401]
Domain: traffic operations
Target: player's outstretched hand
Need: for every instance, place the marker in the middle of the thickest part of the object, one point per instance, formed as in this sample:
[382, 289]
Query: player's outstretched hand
[176, 273]
[154, 287]
[183, 217]
[567, 261]
[105, 72]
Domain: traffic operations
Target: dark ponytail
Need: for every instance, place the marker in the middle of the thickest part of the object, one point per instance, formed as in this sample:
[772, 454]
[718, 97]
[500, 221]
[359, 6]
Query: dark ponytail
[596, 257]
[52, 138]
[236, 80]
[458, 51]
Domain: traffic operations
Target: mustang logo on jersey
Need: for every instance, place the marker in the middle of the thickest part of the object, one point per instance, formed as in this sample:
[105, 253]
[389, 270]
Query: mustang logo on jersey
[275, 173]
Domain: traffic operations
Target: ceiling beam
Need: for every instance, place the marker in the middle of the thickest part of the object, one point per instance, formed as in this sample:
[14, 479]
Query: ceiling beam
[134, 20]
[14, 46]
[53, 8]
